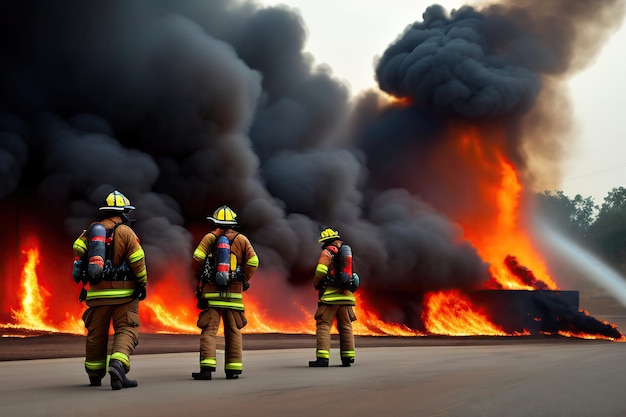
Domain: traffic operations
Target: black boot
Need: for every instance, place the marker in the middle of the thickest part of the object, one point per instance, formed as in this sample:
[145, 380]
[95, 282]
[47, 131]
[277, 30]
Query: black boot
[204, 374]
[95, 381]
[118, 376]
[345, 362]
[232, 374]
[319, 363]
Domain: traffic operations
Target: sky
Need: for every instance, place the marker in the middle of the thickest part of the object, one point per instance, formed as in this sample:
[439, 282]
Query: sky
[597, 160]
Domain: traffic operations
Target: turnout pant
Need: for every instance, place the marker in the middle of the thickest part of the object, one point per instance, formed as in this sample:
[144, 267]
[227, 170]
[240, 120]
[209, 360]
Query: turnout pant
[234, 321]
[97, 320]
[324, 317]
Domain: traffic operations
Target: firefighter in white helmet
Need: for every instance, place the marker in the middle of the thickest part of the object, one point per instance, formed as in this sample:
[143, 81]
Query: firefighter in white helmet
[222, 299]
[109, 260]
[334, 302]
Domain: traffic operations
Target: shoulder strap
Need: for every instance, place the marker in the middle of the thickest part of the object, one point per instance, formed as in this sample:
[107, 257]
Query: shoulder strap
[110, 244]
[332, 268]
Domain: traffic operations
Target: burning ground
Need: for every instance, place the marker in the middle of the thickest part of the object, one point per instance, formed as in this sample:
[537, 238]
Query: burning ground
[185, 106]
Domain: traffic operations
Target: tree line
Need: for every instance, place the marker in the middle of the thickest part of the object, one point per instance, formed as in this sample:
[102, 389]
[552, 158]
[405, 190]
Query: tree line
[599, 229]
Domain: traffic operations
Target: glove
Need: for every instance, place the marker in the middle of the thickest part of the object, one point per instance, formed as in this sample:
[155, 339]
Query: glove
[245, 286]
[140, 292]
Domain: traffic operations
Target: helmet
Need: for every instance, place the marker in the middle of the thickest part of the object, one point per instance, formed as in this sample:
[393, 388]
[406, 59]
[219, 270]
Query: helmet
[116, 201]
[223, 216]
[328, 234]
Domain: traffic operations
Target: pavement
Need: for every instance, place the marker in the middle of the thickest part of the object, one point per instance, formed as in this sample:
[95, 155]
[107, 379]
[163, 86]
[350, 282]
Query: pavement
[421, 376]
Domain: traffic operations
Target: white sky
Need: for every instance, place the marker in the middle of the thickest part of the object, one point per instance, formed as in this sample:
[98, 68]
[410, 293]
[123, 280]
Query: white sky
[357, 31]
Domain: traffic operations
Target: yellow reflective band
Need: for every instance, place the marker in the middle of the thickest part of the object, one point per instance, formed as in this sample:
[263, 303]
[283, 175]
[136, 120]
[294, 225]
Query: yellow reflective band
[347, 354]
[122, 358]
[95, 365]
[208, 362]
[80, 246]
[110, 293]
[141, 274]
[253, 261]
[321, 353]
[322, 269]
[334, 295]
[199, 254]
[136, 256]
[234, 295]
[233, 366]
[234, 305]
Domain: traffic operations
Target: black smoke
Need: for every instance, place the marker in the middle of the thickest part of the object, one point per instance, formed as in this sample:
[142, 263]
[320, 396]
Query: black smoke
[185, 106]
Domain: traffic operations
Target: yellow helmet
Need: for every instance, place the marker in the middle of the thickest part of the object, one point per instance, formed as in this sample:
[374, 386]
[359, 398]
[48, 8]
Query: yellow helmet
[328, 234]
[116, 201]
[223, 216]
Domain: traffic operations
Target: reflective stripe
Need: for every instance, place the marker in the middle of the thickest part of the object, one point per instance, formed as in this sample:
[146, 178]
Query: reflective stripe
[80, 246]
[321, 353]
[232, 300]
[95, 365]
[228, 295]
[136, 256]
[199, 253]
[208, 363]
[142, 276]
[253, 261]
[110, 293]
[347, 354]
[333, 295]
[122, 358]
[322, 269]
[233, 366]
[233, 305]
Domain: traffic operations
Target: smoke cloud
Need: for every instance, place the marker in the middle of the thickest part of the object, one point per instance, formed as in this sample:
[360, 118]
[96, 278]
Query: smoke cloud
[185, 106]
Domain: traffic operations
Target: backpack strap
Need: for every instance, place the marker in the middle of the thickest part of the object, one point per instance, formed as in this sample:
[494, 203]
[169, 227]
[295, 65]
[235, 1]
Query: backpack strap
[110, 242]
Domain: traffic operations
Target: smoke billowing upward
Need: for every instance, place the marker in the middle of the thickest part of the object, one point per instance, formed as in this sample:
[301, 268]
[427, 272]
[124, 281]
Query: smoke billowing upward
[185, 106]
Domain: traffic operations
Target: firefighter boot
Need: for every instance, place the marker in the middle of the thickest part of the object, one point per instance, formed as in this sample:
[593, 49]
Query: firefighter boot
[204, 374]
[232, 374]
[319, 363]
[95, 381]
[346, 362]
[118, 376]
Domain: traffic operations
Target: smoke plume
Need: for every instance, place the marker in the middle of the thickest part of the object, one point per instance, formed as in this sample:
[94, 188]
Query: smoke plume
[185, 106]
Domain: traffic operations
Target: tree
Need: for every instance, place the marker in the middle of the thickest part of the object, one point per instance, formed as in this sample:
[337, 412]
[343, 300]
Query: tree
[608, 232]
[572, 216]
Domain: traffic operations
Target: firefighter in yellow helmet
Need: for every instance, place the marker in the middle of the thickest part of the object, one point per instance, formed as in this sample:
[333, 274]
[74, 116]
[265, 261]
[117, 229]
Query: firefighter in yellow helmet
[221, 300]
[334, 302]
[109, 261]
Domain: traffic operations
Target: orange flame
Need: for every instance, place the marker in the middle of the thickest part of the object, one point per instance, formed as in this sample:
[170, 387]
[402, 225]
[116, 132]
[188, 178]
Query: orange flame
[496, 238]
[369, 324]
[449, 313]
[33, 311]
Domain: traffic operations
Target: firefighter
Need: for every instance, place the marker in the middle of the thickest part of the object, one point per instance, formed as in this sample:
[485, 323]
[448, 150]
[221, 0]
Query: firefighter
[115, 298]
[222, 302]
[333, 303]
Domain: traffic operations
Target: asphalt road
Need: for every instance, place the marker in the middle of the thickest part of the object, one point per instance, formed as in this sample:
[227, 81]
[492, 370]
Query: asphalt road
[532, 378]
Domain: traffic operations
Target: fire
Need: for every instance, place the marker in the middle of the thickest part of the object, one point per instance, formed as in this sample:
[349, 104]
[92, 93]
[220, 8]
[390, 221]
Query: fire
[33, 311]
[260, 320]
[497, 237]
[491, 222]
[449, 313]
[369, 324]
